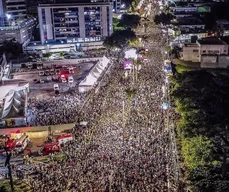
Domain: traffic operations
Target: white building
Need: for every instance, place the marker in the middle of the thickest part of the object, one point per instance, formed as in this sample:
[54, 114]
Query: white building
[184, 9]
[14, 9]
[5, 68]
[65, 47]
[22, 32]
[74, 23]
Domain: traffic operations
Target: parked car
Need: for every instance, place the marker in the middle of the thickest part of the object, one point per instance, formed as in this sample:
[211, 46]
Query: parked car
[47, 72]
[70, 79]
[64, 80]
[57, 71]
[56, 87]
[49, 78]
[54, 77]
[41, 73]
[52, 72]
[36, 81]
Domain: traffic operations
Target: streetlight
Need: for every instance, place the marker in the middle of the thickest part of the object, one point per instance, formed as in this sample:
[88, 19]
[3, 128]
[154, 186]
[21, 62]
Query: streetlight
[7, 163]
[8, 16]
[123, 5]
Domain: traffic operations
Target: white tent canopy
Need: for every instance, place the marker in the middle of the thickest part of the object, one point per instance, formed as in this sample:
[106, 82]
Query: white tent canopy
[13, 103]
[131, 54]
[94, 74]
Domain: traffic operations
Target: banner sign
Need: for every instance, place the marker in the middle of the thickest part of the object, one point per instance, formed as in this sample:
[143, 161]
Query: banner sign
[13, 122]
[128, 64]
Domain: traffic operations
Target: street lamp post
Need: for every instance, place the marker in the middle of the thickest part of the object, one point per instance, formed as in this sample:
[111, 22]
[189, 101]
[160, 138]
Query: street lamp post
[7, 163]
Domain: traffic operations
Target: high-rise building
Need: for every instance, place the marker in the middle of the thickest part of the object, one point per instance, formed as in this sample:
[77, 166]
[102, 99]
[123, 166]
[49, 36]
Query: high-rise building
[14, 10]
[67, 23]
[14, 23]
[116, 4]
[33, 4]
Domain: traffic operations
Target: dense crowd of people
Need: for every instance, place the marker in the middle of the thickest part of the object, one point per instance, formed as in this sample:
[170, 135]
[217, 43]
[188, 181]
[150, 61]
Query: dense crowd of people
[126, 145]
[53, 111]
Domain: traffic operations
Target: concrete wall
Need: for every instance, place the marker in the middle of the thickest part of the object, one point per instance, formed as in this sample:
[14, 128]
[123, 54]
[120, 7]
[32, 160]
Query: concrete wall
[187, 37]
[215, 61]
[49, 26]
[82, 22]
[223, 61]
[218, 49]
[41, 25]
[209, 61]
[191, 53]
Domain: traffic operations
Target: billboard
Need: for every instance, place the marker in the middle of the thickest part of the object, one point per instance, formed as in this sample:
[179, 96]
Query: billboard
[13, 122]
[204, 9]
[128, 64]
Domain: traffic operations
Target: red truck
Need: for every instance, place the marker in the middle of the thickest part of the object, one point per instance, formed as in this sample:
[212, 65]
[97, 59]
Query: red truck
[18, 144]
[50, 148]
[61, 139]
[53, 147]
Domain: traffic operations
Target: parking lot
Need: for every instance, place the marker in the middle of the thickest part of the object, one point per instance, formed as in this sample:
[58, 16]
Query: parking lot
[45, 78]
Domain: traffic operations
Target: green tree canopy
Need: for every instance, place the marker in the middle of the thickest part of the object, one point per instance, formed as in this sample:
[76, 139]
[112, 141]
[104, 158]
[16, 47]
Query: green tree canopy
[206, 96]
[130, 21]
[163, 18]
[197, 151]
[117, 25]
[208, 179]
[119, 39]
[202, 101]
[12, 48]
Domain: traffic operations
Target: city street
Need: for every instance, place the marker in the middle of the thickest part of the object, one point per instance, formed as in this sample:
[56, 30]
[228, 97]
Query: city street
[128, 144]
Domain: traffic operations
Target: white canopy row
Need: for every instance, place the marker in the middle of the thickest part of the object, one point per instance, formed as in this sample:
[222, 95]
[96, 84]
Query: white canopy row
[94, 74]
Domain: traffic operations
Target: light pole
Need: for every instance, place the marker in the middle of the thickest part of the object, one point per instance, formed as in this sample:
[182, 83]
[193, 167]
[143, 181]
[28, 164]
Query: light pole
[8, 16]
[123, 121]
[7, 163]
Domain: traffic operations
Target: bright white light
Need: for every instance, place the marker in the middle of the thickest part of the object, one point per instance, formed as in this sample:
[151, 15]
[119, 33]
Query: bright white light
[126, 74]
[120, 16]
[113, 10]
[163, 90]
[165, 106]
[8, 16]
[77, 44]
[131, 54]
[123, 5]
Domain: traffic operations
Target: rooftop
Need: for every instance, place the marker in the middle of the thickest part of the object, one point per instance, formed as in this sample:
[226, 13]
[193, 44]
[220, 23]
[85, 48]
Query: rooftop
[225, 39]
[211, 41]
[222, 22]
[194, 31]
[22, 24]
[10, 85]
[74, 4]
[187, 21]
[190, 45]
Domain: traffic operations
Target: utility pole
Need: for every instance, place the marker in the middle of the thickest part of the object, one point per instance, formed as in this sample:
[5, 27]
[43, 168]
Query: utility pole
[7, 163]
